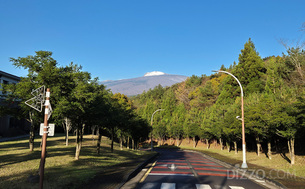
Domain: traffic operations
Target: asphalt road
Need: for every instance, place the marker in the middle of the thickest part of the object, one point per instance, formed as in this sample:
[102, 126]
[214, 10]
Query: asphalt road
[177, 169]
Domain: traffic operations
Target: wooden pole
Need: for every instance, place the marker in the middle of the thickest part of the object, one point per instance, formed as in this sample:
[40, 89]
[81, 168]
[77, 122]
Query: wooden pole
[44, 139]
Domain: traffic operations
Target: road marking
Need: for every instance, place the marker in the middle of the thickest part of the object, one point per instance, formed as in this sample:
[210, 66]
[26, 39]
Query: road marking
[146, 174]
[236, 187]
[165, 167]
[149, 185]
[259, 180]
[171, 173]
[192, 161]
[203, 186]
[208, 165]
[154, 185]
[168, 186]
[208, 169]
[164, 163]
[221, 175]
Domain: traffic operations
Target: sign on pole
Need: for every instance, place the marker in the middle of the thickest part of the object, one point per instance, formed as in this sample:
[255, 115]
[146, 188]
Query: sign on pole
[37, 101]
[50, 127]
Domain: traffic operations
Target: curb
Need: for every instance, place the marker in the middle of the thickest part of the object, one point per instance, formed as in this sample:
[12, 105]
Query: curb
[246, 173]
[134, 172]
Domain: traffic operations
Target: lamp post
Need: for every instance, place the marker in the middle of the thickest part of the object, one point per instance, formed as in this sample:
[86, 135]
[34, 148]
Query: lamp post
[244, 164]
[151, 123]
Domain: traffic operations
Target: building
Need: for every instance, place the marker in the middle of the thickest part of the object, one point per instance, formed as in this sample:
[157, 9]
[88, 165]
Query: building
[9, 126]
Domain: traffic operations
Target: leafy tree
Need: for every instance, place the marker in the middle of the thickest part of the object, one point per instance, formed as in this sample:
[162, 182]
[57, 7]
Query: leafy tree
[232, 126]
[250, 69]
[191, 125]
[42, 70]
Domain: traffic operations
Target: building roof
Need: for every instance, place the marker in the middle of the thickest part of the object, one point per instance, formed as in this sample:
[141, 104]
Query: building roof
[4, 74]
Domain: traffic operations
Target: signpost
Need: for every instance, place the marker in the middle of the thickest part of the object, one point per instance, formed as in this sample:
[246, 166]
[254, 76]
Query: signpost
[44, 138]
[37, 102]
[51, 129]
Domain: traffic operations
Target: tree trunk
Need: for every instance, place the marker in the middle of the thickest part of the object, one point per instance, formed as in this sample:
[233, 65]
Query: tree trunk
[67, 137]
[235, 147]
[188, 138]
[177, 141]
[78, 143]
[258, 146]
[132, 144]
[194, 142]
[32, 132]
[121, 143]
[112, 138]
[228, 146]
[67, 128]
[98, 144]
[291, 151]
[127, 142]
[221, 143]
[207, 143]
[269, 149]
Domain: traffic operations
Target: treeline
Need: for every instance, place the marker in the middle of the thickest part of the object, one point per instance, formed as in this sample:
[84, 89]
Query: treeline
[77, 100]
[206, 107]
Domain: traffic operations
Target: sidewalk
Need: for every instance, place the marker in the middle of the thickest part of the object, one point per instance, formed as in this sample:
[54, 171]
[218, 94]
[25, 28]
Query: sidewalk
[13, 138]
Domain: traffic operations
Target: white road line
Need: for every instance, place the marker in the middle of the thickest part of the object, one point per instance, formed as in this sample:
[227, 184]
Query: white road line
[259, 180]
[154, 185]
[168, 186]
[176, 174]
[203, 186]
[149, 185]
[236, 187]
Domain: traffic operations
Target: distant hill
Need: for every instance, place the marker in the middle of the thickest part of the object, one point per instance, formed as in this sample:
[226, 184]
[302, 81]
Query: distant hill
[134, 86]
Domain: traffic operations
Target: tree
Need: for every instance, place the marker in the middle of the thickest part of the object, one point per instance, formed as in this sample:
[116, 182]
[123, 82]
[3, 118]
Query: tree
[250, 69]
[290, 120]
[42, 70]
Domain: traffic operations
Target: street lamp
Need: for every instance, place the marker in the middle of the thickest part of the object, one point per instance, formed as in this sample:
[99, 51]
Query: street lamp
[244, 164]
[151, 123]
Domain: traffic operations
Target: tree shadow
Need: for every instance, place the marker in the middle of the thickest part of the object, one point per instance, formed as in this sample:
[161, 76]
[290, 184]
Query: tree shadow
[283, 155]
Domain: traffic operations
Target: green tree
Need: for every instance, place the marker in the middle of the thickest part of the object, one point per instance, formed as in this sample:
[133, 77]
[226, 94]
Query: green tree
[42, 70]
[250, 69]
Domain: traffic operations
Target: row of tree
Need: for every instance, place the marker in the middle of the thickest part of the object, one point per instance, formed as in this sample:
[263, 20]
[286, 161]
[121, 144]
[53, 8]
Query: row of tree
[206, 107]
[77, 100]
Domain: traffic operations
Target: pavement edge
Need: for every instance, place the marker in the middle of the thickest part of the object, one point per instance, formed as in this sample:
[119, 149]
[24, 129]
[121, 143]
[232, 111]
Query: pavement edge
[134, 172]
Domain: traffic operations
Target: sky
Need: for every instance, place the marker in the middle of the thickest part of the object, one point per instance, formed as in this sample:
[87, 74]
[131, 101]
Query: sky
[120, 39]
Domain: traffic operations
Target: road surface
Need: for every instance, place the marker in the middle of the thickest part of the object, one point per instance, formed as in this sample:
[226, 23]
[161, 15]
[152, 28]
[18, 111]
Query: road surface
[177, 169]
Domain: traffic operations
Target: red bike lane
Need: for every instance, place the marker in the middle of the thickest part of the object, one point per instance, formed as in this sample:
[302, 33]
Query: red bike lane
[176, 169]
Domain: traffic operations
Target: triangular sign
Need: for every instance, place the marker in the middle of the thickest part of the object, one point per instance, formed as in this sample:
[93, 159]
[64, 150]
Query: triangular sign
[35, 103]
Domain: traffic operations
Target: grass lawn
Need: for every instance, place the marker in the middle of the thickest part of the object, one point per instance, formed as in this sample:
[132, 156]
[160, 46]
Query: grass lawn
[277, 169]
[17, 163]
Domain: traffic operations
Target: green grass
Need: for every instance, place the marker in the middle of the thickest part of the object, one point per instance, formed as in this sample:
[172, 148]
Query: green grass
[277, 169]
[17, 163]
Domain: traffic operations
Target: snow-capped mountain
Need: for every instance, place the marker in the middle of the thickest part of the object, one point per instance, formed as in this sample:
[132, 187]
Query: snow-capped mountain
[134, 86]
[154, 73]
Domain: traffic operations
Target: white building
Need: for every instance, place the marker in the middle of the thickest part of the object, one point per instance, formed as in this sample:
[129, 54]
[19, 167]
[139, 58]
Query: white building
[9, 125]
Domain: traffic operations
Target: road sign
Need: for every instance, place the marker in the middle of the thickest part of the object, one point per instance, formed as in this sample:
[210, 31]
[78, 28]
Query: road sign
[51, 129]
[37, 101]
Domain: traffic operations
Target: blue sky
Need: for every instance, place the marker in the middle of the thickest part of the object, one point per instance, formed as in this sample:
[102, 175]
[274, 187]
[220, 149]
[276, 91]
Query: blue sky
[125, 39]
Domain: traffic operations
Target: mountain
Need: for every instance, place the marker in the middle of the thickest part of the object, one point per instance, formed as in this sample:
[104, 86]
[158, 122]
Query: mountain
[134, 86]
